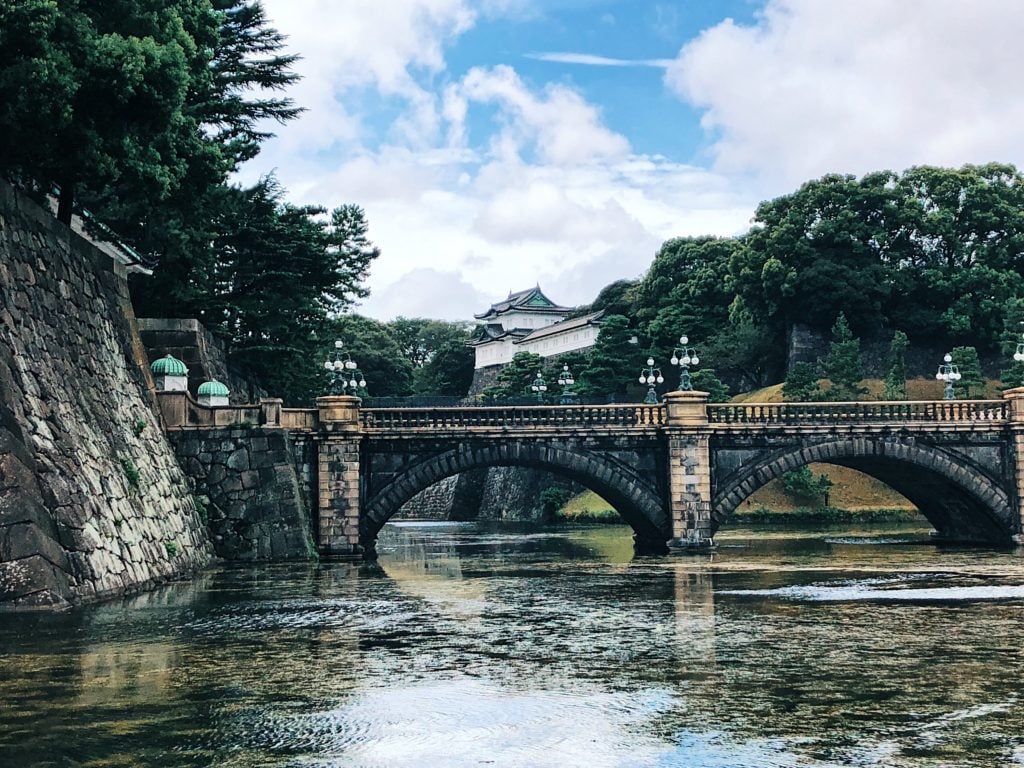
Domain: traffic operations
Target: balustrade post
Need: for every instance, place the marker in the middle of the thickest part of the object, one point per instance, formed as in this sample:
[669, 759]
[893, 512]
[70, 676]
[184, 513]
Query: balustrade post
[338, 476]
[270, 411]
[689, 471]
[1015, 418]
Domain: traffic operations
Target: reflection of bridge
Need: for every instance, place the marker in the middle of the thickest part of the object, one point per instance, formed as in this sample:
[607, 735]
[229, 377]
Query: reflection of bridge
[674, 471]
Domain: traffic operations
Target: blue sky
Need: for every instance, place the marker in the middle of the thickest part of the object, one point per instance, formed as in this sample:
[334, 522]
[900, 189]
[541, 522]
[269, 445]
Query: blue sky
[499, 143]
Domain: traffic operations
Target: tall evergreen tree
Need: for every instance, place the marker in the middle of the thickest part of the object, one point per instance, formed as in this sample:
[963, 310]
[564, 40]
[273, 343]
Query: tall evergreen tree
[972, 380]
[1012, 373]
[614, 360]
[705, 380]
[843, 366]
[516, 378]
[896, 376]
[801, 384]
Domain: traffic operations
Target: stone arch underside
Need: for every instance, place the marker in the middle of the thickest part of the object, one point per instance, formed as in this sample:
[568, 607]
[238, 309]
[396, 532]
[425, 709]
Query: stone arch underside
[636, 500]
[960, 501]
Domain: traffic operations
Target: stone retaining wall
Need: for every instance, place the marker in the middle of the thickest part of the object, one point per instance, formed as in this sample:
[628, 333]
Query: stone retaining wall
[247, 480]
[92, 501]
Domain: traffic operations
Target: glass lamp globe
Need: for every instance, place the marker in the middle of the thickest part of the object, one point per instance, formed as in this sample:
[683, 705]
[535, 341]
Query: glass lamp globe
[1018, 356]
[661, 379]
[938, 376]
[687, 360]
[957, 376]
[684, 339]
[650, 379]
[695, 360]
[948, 358]
[352, 383]
[328, 365]
[350, 364]
[362, 383]
[642, 379]
[337, 344]
[674, 360]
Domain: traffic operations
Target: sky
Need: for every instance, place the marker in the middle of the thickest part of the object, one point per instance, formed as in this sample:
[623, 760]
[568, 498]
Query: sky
[499, 144]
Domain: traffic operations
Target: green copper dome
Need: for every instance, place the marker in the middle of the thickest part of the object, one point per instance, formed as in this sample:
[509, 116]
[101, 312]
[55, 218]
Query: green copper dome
[168, 366]
[212, 389]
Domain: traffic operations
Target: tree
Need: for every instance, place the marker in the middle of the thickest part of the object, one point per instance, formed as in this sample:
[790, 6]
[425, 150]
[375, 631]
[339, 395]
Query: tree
[516, 378]
[804, 486]
[705, 380]
[842, 365]
[449, 371]
[614, 360]
[1012, 374]
[972, 380]
[685, 290]
[801, 384]
[374, 349]
[896, 377]
[94, 95]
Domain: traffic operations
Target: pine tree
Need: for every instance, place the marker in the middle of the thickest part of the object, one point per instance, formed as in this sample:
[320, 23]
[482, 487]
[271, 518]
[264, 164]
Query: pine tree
[896, 378]
[705, 380]
[1012, 374]
[972, 381]
[516, 378]
[614, 360]
[843, 366]
[801, 384]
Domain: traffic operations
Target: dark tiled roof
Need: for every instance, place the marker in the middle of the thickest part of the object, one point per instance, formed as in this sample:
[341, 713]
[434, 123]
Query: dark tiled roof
[530, 300]
[495, 332]
[563, 327]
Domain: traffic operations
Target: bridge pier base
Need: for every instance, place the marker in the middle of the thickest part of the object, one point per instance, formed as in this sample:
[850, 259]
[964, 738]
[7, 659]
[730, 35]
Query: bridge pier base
[689, 472]
[338, 478]
[1015, 412]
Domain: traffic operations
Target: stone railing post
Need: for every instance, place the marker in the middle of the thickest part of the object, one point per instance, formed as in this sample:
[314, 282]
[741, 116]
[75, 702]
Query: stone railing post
[270, 411]
[338, 476]
[1015, 417]
[689, 470]
[173, 408]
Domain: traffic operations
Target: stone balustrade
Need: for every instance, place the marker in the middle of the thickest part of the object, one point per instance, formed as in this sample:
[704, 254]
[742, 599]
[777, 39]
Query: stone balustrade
[880, 412]
[514, 417]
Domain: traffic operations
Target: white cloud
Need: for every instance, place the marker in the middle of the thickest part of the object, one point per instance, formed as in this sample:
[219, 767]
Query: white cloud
[858, 85]
[549, 193]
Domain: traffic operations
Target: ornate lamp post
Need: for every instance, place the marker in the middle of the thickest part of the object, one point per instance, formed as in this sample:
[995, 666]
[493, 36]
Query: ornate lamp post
[566, 382]
[684, 357]
[539, 386]
[346, 378]
[1019, 354]
[948, 373]
[650, 376]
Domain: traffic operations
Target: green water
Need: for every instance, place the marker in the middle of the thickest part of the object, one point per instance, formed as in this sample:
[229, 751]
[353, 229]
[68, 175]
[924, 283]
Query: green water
[469, 646]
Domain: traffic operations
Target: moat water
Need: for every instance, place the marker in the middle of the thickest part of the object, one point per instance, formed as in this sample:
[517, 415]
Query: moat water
[468, 646]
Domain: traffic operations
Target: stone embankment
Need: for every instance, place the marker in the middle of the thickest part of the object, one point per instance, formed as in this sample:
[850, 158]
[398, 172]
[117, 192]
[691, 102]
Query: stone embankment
[92, 501]
[250, 491]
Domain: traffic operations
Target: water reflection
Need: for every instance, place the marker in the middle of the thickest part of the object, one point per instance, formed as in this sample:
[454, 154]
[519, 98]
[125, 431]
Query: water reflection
[470, 645]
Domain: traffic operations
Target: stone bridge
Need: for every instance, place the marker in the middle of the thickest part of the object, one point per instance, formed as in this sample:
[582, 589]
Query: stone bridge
[674, 471]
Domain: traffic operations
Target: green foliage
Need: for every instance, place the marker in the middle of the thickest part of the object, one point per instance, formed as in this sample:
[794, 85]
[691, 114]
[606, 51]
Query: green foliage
[172, 548]
[1012, 374]
[802, 384]
[614, 361]
[138, 427]
[373, 346]
[616, 298]
[553, 499]
[516, 378]
[804, 486]
[685, 290]
[131, 472]
[442, 363]
[705, 380]
[972, 380]
[843, 366]
[896, 376]
[202, 508]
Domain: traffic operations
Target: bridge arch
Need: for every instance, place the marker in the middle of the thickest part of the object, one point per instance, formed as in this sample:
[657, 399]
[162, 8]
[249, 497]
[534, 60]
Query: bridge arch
[635, 499]
[959, 500]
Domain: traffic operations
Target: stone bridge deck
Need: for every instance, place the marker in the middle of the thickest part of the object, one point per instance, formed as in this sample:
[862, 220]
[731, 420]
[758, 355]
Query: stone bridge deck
[675, 470]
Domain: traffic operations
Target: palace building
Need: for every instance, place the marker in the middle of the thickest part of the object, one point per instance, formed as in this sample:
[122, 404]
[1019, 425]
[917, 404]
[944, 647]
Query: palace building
[528, 321]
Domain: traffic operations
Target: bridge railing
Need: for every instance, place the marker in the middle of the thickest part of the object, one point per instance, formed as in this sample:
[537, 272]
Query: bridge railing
[946, 411]
[559, 416]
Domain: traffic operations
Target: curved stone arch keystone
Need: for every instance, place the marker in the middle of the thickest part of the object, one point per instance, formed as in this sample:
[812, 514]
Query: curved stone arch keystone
[960, 501]
[636, 501]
